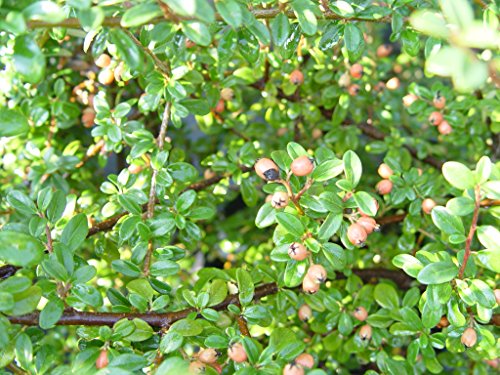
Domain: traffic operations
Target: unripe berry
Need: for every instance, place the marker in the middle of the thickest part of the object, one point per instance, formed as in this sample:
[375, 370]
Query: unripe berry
[409, 99]
[353, 90]
[267, 169]
[385, 171]
[220, 106]
[302, 166]
[317, 273]
[293, 369]
[384, 50]
[102, 361]
[237, 353]
[427, 205]
[357, 234]
[365, 332]
[360, 313]
[208, 355]
[280, 200]
[356, 71]
[106, 77]
[309, 286]
[297, 77]
[368, 223]
[196, 367]
[393, 83]
[305, 360]
[444, 128]
[227, 94]
[103, 61]
[305, 312]
[497, 295]
[384, 187]
[297, 251]
[469, 337]
[439, 101]
[88, 117]
[435, 118]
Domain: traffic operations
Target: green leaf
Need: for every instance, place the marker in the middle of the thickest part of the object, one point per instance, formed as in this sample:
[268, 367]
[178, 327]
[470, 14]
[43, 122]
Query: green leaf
[87, 294]
[230, 11]
[126, 267]
[198, 32]
[245, 286]
[173, 365]
[482, 293]
[342, 8]
[127, 49]
[26, 301]
[266, 216]
[46, 11]
[483, 170]
[489, 258]
[386, 296]
[75, 232]
[140, 14]
[458, 12]
[6, 301]
[199, 9]
[354, 41]
[280, 29]
[20, 249]
[291, 223]
[51, 313]
[330, 226]
[489, 236]
[328, 170]
[303, 10]
[352, 167]
[335, 255]
[448, 223]
[430, 23]
[460, 206]
[12, 123]
[295, 150]
[170, 342]
[366, 203]
[127, 362]
[411, 265]
[187, 327]
[458, 175]
[29, 60]
[21, 202]
[185, 201]
[437, 273]
[331, 36]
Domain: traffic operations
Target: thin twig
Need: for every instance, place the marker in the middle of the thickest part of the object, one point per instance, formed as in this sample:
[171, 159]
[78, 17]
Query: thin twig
[472, 230]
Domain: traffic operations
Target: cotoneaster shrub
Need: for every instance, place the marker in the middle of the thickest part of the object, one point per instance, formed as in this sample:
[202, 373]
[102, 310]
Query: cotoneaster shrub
[249, 187]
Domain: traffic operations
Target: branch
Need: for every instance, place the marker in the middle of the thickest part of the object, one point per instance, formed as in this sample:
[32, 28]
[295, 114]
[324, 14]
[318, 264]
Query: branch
[472, 230]
[74, 23]
[242, 324]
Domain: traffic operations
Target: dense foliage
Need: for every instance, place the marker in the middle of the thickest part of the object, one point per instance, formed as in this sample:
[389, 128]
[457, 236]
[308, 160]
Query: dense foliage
[250, 187]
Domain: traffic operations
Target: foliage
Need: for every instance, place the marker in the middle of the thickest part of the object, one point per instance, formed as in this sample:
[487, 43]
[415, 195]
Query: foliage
[135, 233]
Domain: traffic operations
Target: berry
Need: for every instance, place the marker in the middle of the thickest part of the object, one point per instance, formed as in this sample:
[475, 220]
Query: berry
[317, 133]
[227, 94]
[427, 205]
[380, 86]
[360, 313]
[103, 61]
[134, 168]
[439, 101]
[469, 337]
[297, 251]
[353, 90]
[384, 187]
[384, 50]
[305, 312]
[237, 353]
[106, 77]
[393, 83]
[267, 169]
[189, 43]
[356, 71]
[357, 234]
[119, 70]
[368, 223]
[208, 174]
[444, 128]
[497, 295]
[317, 273]
[269, 198]
[305, 360]
[443, 322]
[220, 106]
[293, 369]
[88, 117]
[435, 118]
[365, 332]
[297, 77]
[409, 99]
[208, 355]
[196, 367]
[102, 361]
[344, 80]
[280, 200]
[309, 286]
[385, 171]
[302, 166]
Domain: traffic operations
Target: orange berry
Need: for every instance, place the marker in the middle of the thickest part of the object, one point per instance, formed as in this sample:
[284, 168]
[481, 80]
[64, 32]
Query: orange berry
[393, 83]
[134, 168]
[297, 77]
[106, 77]
[280, 200]
[435, 118]
[102, 361]
[309, 286]
[384, 50]
[356, 71]
[368, 223]
[208, 174]
[88, 117]
[293, 369]
[497, 295]
[357, 234]
[297, 251]
[305, 360]
[317, 273]
[302, 166]
[305, 312]
[267, 169]
[103, 61]
[227, 94]
[360, 313]
[409, 99]
[208, 355]
[237, 353]
[384, 187]
[353, 90]
[220, 106]
[427, 205]
[365, 332]
[196, 367]
[439, 101]
[444, 128]
[469, 337]
[385, 171]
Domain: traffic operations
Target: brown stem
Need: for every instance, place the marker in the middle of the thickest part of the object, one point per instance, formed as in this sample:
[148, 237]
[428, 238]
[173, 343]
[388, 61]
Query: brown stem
[74, 23]
[242, 324]
[306, 187]
[472, 230]
[294, 200]
[15, 369]
[152, 191]
[49, 238]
